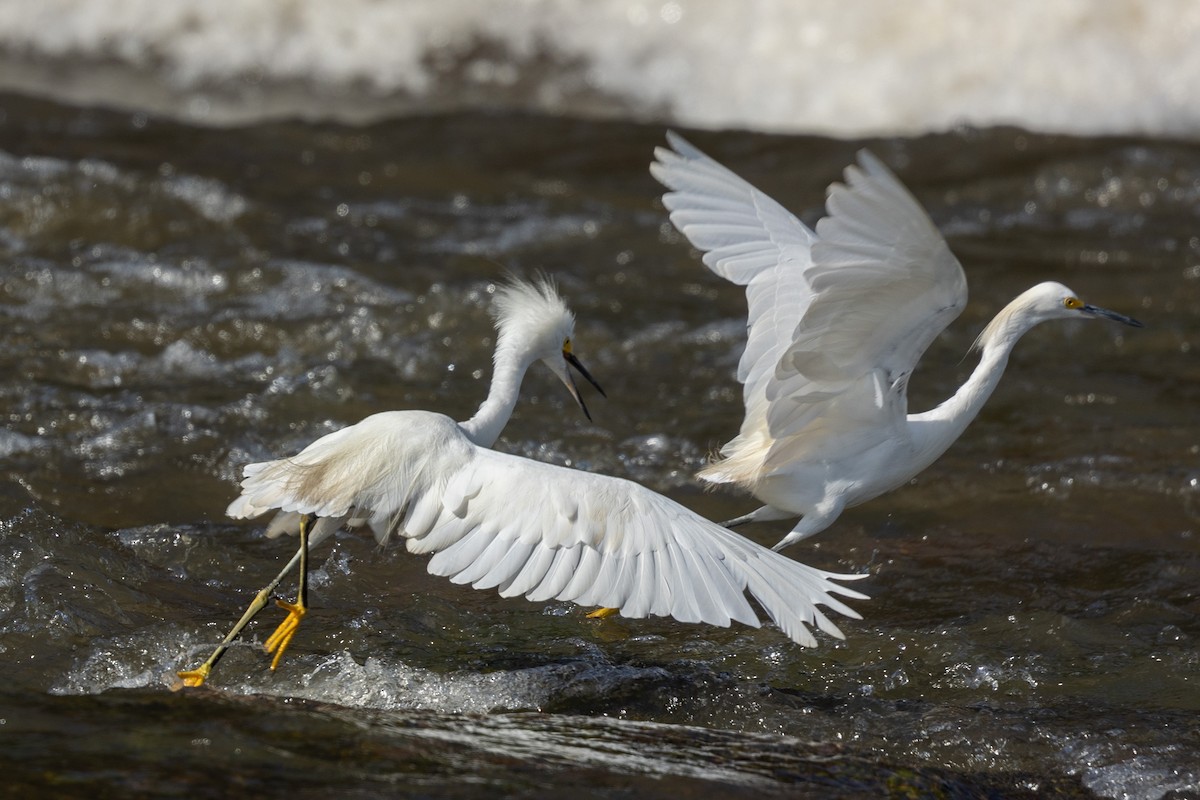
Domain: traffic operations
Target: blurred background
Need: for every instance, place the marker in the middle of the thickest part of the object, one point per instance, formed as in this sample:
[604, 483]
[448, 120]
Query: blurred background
[818, 66]
[229, 228]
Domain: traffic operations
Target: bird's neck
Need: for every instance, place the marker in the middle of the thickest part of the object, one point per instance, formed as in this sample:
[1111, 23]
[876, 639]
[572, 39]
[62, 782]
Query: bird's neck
[934, 431]
[484, 428]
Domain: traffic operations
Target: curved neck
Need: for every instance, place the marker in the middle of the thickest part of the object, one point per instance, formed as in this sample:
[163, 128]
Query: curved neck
[956, 413]
[484, 428]
[935, 430]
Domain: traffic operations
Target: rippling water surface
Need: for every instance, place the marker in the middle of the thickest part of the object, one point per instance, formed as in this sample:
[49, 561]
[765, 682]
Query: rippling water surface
[178, 301]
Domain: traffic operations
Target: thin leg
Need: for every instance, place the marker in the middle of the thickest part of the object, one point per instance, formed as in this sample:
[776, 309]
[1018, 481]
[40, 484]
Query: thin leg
[196, 677]
[282, 637]
[764, 514]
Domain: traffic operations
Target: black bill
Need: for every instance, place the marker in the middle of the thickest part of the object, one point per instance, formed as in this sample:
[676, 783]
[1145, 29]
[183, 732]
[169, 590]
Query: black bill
[574, 362]
[1096, 311]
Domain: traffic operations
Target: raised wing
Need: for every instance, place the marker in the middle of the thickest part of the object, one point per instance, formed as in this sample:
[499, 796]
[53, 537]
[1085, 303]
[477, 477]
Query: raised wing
[850, 309]
[886, 284]
[493, 520]
[747, 238]
[885, 280]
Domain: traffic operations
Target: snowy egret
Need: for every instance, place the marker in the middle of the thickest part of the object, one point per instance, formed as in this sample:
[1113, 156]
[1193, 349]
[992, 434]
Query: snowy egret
[494, 520]
[533, 324]
[837, 320]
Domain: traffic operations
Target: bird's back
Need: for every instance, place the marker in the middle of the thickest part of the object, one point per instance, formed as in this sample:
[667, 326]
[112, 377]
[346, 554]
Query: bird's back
[362, 466]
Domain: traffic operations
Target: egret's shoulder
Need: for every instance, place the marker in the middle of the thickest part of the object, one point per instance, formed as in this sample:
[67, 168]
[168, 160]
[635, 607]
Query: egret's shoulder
[381, 442]
[412, 419]
[411, 430]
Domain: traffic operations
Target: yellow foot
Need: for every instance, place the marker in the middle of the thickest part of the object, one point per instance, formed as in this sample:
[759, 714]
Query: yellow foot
[282, 637]
[193, 677]
[603, 613]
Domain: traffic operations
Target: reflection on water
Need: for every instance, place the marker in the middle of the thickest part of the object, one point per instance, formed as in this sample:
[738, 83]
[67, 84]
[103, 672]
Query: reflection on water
[179, 301]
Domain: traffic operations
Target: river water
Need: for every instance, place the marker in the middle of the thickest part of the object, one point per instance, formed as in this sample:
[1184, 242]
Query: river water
[180, 300]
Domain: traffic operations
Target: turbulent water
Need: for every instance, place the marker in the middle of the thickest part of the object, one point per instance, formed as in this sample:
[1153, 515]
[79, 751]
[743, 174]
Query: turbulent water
[178, 301]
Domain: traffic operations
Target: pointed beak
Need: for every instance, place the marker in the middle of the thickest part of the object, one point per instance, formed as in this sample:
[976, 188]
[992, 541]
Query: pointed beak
[1096, 311]
[570, 382]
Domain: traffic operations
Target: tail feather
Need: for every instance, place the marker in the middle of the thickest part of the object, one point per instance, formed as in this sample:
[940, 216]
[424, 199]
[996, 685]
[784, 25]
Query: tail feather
[740, 462]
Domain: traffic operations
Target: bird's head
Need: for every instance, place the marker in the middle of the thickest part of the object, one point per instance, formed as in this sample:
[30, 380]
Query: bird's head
[533, 320]
[1052, 300]
[1042, 303]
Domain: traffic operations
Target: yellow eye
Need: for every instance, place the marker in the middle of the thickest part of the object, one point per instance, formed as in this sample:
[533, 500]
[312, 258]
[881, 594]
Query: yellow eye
[567, 346]
[1073, 302]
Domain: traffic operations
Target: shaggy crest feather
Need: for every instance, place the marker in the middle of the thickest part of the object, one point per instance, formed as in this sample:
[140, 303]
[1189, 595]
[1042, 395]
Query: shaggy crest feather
[525, 310]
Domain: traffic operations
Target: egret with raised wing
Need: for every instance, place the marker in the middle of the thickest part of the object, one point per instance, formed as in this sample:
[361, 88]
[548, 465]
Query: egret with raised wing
[837, 320]
[500, 521]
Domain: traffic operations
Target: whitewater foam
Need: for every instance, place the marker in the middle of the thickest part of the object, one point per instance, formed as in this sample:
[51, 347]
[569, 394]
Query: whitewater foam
[873, 66]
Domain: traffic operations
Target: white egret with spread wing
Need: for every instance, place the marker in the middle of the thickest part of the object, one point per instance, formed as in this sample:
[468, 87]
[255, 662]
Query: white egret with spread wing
[500, 521]
[838, 318]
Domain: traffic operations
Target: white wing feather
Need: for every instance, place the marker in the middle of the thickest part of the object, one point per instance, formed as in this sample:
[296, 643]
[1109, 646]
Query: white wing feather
[637, 550]
[878, 284]
[747, 238]
[526, 528]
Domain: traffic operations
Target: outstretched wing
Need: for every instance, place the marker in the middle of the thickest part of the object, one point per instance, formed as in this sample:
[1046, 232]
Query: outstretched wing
[878, 286]
[493, 520]
[547, 532]
[747, 238]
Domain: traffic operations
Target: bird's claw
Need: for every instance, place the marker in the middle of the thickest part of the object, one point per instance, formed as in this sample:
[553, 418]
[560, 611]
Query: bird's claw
[193, 677]
[282, 637]
[603, 613]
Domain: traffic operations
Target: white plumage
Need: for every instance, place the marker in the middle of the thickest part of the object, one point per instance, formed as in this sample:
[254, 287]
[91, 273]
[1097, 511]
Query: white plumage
[500, 521]
[837, 320]
[494, 520]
